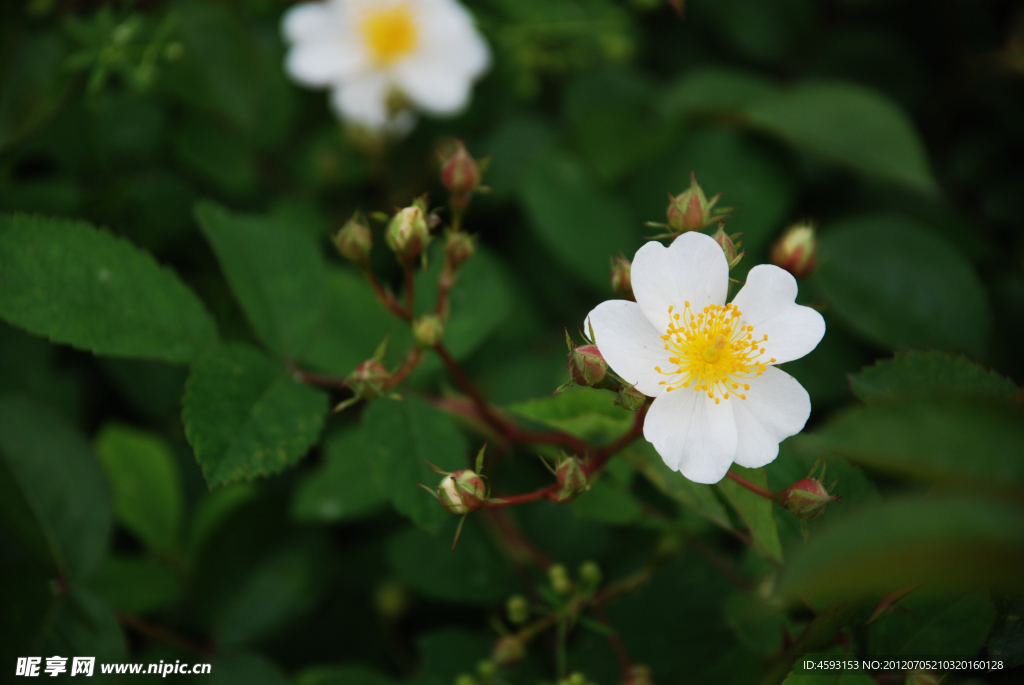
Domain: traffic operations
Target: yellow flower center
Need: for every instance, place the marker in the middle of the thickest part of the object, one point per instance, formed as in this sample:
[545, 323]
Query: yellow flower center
[712, 352]
[390, 32]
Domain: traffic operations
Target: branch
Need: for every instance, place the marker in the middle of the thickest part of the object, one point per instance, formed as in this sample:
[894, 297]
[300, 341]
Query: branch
[756, 489]
[387, 299]
[550, 492]
[164, 635]
[317, 379]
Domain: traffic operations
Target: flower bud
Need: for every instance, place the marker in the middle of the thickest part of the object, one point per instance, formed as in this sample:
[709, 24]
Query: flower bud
[462, 491]
[807, 498]
[486, 669]
[797, 250]
[518, 608]
[629, 398]
[369, 380]
[637, 674]
[590, 575]
[460, 173]
[354, 241]
[730, 248]
[575, 678]
[572, 476]
[621, 278]
[459, 247]
[508, 651]
[465, 679]
[922, 678]
[408, 233]
[559, 578]
[586, 366]
[428, 331]
[691, 210]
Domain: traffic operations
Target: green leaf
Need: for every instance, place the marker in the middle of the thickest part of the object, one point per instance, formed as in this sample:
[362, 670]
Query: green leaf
[696, 497]
[348, 485]
[84, 287]
[756, 511]
[579, 223]
[146, 485]
[61, 482]
[245, 416]
[342, 675]
[760, 626]
[958, 441]
[902, 286]
[354, 324]
[85, 626]
[925, 625]
[275, 272]
[213, 509]
[715, 89]
[951, 542]
[584, 412]
[283, 587]
[222, 157]
[924, 373]
[608, 503]
[404, 437]
[32, 82]
[473, 573]
[135, 585]
[851, 125]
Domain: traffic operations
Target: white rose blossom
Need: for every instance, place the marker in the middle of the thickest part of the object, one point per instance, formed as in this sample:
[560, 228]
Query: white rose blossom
[718, 398]
[368, 51]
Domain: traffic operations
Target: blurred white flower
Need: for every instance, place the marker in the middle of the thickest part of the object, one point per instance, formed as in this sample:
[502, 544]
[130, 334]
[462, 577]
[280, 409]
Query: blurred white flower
[709, 365]
[378, 56]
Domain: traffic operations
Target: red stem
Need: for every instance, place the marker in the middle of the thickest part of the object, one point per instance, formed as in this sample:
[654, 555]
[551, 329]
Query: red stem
[414, 358]
[550, 492]
[756, 489]
[318, 379]
[485, 411]
[387, 299]
[605, 453]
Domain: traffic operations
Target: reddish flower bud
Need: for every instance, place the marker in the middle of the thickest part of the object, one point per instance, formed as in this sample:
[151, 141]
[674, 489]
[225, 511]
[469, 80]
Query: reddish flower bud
[691, 210]
[461, 173]
[797, 250]
[572, 476]
[621, 277]
[369, 380]
[354, 241]
[508, 651]
[408, 234]
[428, 330]
[459, 247]
[807, 498]
[586, 365]
[729, 247]
[461, 492]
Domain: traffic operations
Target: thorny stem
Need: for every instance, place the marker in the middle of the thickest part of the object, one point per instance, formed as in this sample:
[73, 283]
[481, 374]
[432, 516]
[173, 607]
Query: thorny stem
[164, 635]
[756, 489]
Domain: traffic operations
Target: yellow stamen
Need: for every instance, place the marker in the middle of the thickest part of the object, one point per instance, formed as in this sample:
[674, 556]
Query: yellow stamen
[390, 32]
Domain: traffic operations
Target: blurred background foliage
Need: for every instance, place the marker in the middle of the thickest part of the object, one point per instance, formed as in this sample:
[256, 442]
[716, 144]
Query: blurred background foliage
[895, 125]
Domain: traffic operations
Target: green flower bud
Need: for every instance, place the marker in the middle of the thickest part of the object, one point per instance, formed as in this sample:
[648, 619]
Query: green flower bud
[354, 241]
[586, 366]
[590, 575]
[728, 246]
[797, 250]
[629, 398]
[408, 233]
[508, 651]
[461, 174]
[571, 473]
[691, 210]
[922, 678]
[459, 247]
[462, 491]
[559, 578]
[807, 498]
[465, 679]
[428, 331]
[576, 678]
[486, 669]
[369, 380]
[518, 608]
[622, 277]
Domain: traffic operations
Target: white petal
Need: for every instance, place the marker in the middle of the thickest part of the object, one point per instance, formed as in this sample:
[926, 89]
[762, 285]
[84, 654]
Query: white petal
[692, 269]
[308, 21]
[777, 406]
[692, 434]
[322, 63]
[363, 100]
[767, 302]
[432, 87]
[629, 344]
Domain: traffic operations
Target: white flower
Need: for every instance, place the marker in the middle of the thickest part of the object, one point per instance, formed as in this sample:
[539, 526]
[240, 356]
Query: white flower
[370, 51]
[709, 365]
